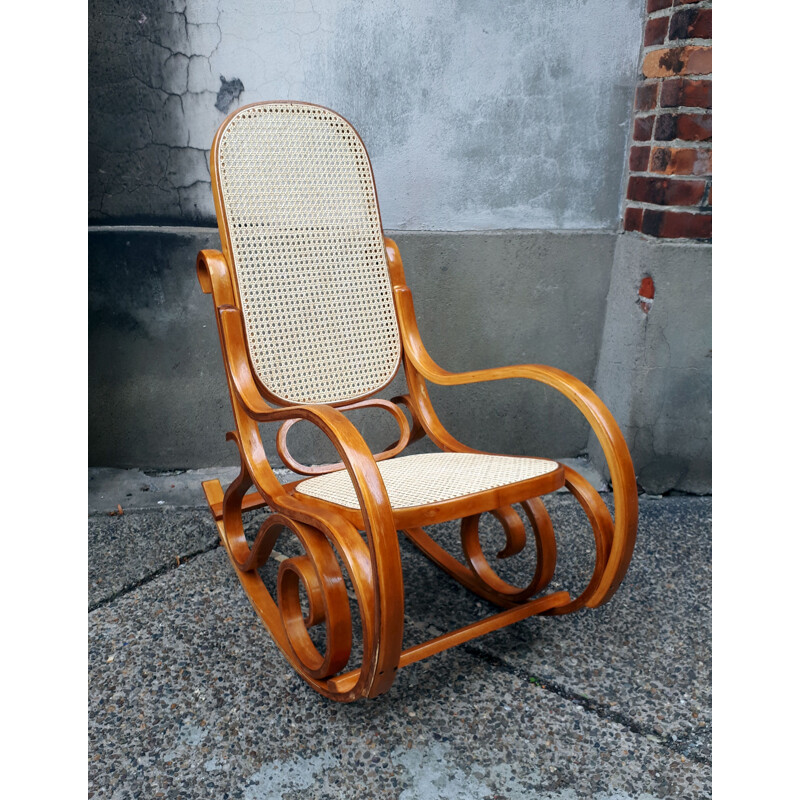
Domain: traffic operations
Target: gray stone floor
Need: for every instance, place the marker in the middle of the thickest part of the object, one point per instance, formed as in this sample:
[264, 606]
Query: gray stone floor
[189, 698]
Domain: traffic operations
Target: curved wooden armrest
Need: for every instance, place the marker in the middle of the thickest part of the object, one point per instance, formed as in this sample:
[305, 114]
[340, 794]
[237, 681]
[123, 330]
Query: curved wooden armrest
[623, 478]
[379, 527]
[234, 347]
[354, 452]
[381, 534]
[215, 277]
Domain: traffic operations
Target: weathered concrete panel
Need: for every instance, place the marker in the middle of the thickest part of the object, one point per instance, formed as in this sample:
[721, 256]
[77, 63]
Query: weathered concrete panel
[478, 116]
[488, 125]
[489, 300]
[156, 382]
[654, 369]
[157, 391]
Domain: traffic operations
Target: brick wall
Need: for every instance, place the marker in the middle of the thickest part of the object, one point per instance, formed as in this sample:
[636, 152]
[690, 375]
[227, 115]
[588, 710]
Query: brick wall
[669, 180]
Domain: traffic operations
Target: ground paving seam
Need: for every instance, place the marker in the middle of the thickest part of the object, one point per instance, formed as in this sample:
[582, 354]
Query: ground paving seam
[680, 746]
[99, 512]
[163, 570]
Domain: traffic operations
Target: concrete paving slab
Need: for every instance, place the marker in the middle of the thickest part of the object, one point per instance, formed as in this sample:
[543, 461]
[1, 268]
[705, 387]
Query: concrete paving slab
[647, 654]
[190, 698]
[127, 549]
[134, 488]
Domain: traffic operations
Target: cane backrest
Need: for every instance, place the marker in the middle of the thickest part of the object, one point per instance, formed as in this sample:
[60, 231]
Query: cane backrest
[297, 202]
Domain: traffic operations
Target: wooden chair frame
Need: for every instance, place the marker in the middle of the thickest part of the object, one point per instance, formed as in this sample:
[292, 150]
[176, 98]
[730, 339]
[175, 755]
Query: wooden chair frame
[366, 539]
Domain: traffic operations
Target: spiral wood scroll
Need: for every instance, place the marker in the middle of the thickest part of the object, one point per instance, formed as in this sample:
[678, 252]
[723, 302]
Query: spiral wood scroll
[281, 444]
[317, 575]
[311, 590]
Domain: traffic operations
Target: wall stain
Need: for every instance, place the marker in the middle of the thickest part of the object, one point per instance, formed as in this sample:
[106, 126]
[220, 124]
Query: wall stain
[229, 91]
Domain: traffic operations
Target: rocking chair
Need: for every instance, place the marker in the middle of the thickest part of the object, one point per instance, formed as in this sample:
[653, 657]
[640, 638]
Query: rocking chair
[314, 318]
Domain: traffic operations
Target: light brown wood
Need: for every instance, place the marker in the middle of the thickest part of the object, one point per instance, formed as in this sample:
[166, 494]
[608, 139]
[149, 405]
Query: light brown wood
[374, 402]
[419, 366]
[361, 544]
[467, 633]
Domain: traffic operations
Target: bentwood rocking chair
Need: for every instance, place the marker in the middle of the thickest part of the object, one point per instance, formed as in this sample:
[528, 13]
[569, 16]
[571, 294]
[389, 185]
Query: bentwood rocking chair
[315, 318]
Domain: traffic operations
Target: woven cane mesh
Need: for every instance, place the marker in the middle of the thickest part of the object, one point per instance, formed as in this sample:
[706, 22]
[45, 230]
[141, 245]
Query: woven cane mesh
[430, 478]
[308, 252]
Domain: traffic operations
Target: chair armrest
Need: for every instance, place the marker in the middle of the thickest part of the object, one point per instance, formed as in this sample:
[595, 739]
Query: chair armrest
[384, 568]
[215, 277]
[231, 327]
[623, 478]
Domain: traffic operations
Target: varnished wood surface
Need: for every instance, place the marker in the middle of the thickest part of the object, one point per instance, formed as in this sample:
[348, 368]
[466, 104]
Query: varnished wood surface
[374, 402]
[467, 633]
[376, 567]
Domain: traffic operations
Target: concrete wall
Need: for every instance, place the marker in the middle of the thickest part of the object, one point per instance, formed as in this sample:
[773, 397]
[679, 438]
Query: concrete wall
[654, 370]
[498, 134]
[477, 115]
[158, 397]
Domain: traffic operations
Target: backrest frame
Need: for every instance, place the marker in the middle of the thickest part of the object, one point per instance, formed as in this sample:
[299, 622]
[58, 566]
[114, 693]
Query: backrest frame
[229, 249]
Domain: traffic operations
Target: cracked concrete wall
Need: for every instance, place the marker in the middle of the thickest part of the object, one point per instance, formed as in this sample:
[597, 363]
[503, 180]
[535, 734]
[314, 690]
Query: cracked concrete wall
[477, 115]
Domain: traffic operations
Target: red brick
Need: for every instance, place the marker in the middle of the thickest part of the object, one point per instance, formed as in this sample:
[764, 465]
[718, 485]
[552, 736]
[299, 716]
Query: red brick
[690, 127]
[657, 5]
[671, 93]
[697, 93]
[665, 191]
[667, 61]
[699, 62]
[694, 127]
[643, 128]
[666, 127]
[647, 288]
[639, 159]
[701, 29]
[656, 31]
[690, 23]
[633, 219]
[676, 224]
[685, 92]
[646, 96]
[681, 161]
